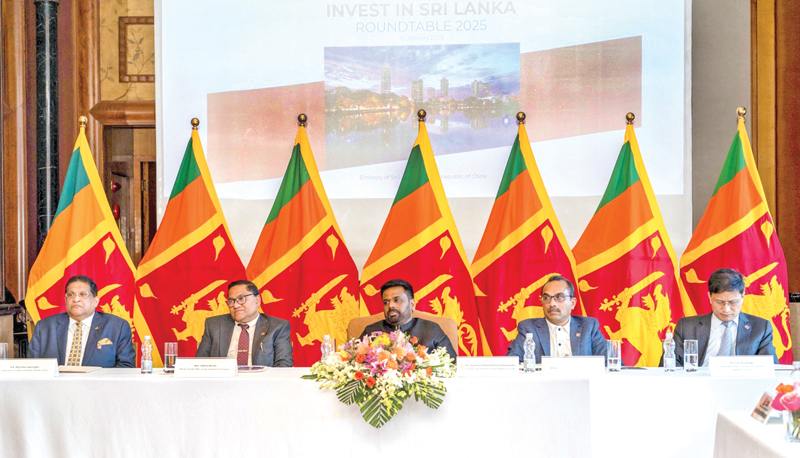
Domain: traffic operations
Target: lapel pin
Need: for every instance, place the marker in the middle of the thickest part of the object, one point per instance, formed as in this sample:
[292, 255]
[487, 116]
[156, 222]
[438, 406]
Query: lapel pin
[96, 328]
[263, 333]
[577, 334]
[747, 326]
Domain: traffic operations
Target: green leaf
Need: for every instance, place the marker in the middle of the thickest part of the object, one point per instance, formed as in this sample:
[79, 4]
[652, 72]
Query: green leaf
[310, 377]
[434, 398]
[377, 413]
[348, 394]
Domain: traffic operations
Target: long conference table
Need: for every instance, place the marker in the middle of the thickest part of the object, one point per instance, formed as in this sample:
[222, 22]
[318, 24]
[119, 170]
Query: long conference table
[121, 412]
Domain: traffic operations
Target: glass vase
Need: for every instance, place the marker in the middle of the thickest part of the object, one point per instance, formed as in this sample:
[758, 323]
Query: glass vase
[792, 422]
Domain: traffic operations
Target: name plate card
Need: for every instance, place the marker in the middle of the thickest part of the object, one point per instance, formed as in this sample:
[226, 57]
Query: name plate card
[763, 408]
[29, 368]
[487, 365]
[205, 367]
[574, 365]
[741, 366]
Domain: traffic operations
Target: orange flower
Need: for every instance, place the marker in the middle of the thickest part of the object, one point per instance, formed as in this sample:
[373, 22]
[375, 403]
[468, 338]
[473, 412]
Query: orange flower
[359, 375]
[411, 356]
[400, 352]
[783, 389]
[429, 370]
[413, 340]
[359, 358]
[344, 355]
[412, 367]
[370, 382]
[392, 364]
[383, 355]
[362, 349]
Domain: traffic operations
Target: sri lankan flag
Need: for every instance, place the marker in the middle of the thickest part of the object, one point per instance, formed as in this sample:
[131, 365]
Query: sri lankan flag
[522, 246]
[737, 232]
[83, 240]
[419, 243]
[301, 264]
[183, 277]
[628, 273]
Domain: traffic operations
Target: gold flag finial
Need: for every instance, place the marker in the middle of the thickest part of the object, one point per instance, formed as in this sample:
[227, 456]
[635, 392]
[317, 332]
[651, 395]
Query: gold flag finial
[302, 119]
[82, 121]
[630, 117]
[421, 115]
[195, 123]
[521, 117]
[741, 111]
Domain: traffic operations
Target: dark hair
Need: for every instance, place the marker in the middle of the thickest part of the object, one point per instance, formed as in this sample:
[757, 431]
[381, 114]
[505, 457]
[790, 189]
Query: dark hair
[409, 290]
[84, 279]
[570, 288]
[250, 286]
[723, 280]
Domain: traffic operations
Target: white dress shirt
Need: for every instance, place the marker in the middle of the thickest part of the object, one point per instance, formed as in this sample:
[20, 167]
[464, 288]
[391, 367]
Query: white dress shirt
[233, 348]
[560, 345]
[715, 337]
[86, 326]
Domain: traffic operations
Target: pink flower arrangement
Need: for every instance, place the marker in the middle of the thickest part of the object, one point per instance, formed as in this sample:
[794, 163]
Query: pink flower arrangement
[788, 398]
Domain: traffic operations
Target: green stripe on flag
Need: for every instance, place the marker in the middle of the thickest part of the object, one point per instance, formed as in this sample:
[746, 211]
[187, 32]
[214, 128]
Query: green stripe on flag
[623, 177]
[294, 179]
[734, 163]
[76, 180]
[414, 177]
[515, 166]
[188, 172]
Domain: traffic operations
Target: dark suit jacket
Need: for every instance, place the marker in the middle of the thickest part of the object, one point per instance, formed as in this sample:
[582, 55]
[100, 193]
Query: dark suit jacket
[753, 336]
[585, 338]
[50, 341]
[273, 333]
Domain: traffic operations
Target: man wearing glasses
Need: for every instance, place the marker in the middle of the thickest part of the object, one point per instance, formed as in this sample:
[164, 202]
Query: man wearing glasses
[253, 338]
[82, 336]
[559, 334]
[726, 331]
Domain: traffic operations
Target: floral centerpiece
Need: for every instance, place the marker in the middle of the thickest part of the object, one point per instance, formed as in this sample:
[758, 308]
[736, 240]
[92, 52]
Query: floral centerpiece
[788, 401]
[381, 371]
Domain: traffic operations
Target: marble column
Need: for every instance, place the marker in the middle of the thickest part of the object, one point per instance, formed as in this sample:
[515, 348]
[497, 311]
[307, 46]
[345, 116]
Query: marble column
[46, 115]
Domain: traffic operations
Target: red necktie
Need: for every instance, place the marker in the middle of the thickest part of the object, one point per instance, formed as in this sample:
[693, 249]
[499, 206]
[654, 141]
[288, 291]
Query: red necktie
[244, 346]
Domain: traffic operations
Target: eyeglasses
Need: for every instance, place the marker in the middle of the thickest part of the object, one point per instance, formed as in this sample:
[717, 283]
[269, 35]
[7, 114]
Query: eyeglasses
[560, 298]
[238, 299]
[81, 294]
[733, 303]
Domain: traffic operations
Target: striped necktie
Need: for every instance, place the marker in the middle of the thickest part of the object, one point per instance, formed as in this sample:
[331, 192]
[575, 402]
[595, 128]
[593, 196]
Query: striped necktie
[726, 344]
[74, 358]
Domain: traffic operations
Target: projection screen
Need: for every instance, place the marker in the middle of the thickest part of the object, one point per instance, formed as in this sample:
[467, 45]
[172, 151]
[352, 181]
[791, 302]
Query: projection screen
[359, 70]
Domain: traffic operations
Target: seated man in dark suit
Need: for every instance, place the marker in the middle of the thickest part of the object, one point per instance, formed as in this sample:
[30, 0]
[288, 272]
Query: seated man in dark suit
[559, 334]
[398, 305]
[82, 336]
[253, 338]
[725, 331]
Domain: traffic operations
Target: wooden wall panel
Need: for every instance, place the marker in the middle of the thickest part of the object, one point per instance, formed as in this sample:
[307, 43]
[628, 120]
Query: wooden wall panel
[787, 133]
[15, 141]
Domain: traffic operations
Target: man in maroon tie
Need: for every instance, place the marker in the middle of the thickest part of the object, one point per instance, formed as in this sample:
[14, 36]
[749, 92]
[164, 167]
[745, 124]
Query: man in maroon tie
[253, 338]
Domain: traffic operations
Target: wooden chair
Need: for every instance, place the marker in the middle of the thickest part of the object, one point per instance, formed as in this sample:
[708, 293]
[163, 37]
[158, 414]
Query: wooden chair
[448, 325]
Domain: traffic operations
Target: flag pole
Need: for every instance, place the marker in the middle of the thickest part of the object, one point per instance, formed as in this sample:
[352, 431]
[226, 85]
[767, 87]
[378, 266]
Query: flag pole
[195, 123]
[630, 117]
[521, 118]
[741, 111]
[421, 114]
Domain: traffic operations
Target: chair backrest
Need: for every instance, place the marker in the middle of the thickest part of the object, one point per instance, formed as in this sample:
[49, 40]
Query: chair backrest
[448, 325]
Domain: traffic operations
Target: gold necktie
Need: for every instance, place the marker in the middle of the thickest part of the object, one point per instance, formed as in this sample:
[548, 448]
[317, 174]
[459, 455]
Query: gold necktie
[74, 358]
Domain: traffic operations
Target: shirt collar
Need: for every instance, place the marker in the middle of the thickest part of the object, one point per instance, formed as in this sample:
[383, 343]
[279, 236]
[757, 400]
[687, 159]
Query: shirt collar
[251, 324]
[715, 322]
[87, 321]
[553, 327]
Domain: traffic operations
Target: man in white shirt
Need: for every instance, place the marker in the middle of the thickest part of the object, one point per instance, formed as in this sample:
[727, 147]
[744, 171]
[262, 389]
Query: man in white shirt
[726, 331]
[559, 334]
[83, 336]
[253, 338]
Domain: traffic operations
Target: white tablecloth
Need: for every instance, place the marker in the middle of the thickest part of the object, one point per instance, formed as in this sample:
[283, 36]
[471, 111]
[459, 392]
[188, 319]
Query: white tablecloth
[119, 412]
[740, 435]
